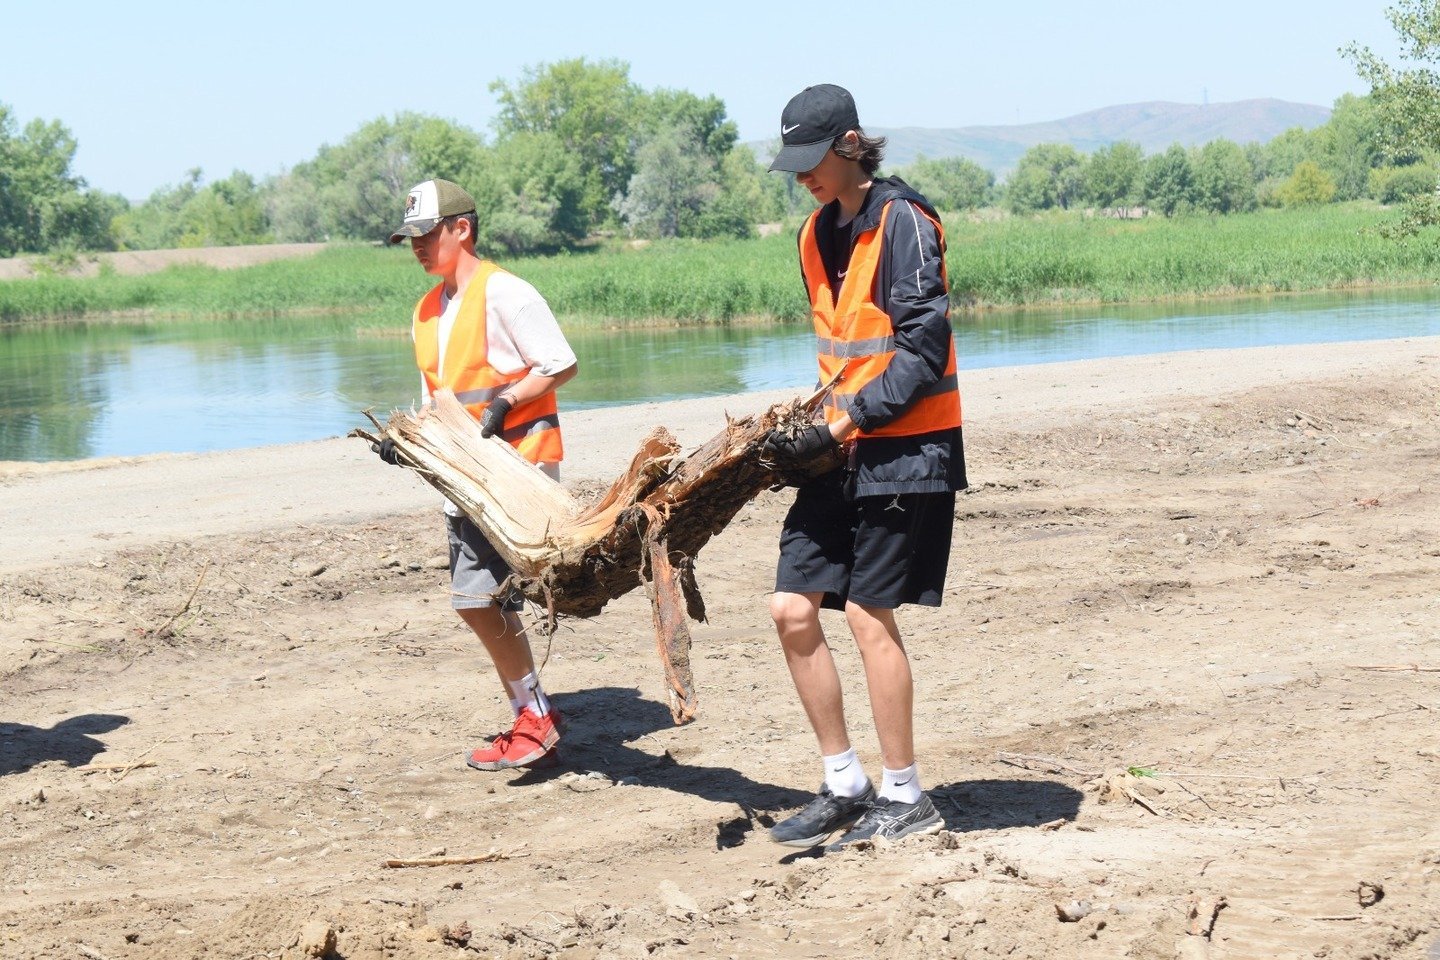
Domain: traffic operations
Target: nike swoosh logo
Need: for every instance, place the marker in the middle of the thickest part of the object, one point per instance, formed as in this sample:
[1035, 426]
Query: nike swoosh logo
[905, 781]
[842, 273]
[838, 769]
[784, 130]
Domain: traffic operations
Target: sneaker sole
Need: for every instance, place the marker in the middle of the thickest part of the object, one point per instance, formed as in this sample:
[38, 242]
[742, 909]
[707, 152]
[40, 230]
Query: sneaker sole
[819, 838]
[539, 759]
[924, 830]
[805, 843]
[919, 830]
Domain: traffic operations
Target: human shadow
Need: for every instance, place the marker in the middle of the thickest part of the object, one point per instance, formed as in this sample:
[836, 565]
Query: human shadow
[967, 805]
[1004, 804]
[23, 746]
[602, 724]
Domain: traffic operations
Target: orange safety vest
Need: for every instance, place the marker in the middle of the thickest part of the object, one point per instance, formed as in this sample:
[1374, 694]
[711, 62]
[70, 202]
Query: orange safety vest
[532, 428]
[856, 338]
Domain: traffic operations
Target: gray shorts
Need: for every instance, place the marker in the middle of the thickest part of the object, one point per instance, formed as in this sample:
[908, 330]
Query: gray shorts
[476, 570]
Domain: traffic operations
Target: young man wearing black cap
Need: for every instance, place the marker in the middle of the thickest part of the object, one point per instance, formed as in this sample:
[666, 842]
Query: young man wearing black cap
[490, 337]
[875, 533]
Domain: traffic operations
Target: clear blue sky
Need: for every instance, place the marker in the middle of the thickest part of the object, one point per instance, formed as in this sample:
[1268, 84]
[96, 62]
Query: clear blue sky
[152, 89]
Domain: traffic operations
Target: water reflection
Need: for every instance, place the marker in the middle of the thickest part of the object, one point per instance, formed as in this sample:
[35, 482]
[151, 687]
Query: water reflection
[102, 389]
[1013, 338]
[634, 366]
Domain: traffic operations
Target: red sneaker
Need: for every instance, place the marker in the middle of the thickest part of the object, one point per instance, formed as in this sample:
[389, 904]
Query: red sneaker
[531, 740]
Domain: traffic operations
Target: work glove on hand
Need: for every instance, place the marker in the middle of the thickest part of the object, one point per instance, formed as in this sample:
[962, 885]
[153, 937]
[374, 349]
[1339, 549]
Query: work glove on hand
[386, 449]
[492, 421]
[787, 451]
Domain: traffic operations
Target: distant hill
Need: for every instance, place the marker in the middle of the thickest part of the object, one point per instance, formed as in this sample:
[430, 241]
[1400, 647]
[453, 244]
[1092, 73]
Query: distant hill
[1155, 126]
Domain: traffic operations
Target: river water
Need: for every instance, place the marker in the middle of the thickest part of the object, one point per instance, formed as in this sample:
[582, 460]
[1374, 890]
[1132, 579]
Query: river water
[75, 390]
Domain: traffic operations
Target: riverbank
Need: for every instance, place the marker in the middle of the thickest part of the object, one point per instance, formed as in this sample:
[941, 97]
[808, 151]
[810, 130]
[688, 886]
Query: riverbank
[1213, 565]
[135, 263]
[1041, 261]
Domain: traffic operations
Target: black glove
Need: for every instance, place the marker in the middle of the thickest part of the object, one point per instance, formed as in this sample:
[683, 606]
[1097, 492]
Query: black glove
[793, 451]
[386, 449]
[492, 421]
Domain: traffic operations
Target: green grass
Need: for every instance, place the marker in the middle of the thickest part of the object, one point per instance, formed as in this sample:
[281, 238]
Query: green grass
[1071, 259]
[1010, 262]
[679, 281]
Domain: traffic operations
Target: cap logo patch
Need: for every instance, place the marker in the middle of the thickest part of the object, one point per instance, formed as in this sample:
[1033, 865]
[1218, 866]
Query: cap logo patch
[412, 204]
[785, 131]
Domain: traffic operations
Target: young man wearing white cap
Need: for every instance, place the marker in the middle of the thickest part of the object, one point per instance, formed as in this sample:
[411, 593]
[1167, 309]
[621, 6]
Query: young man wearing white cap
[874, 534]
[489, 337]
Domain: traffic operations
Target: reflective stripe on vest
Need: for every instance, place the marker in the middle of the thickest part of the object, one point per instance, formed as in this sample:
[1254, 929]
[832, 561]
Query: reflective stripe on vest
[856, 339]
[532, 428]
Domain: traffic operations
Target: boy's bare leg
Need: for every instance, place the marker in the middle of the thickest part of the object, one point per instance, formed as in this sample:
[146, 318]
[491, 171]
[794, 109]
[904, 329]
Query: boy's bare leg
[888, 678]
[505, 640]
[797, 620]
[533, 737]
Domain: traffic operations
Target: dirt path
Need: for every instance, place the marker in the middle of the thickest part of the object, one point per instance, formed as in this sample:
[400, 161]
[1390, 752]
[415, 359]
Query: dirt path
[1180, 564]
[135, 262]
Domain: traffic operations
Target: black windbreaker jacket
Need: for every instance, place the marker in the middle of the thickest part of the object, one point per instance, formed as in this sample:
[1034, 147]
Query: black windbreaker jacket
[910, 288]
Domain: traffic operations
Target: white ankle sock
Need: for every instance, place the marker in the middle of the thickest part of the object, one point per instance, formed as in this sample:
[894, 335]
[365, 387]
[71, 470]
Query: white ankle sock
[515, 705]
[844, 775]
[901, 785]
[526, 692]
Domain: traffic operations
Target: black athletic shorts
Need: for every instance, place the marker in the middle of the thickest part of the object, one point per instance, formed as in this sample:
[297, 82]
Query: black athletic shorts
[878, 551]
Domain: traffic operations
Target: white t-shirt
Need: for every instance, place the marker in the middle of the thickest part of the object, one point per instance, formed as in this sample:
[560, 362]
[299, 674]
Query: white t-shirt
[520, 334]
[520, 331]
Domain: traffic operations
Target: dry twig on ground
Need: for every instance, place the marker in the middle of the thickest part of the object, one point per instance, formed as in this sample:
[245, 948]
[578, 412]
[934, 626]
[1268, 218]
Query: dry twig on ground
[1398, 668]
[113, 767]
[490, 857]
[1045, 764]
[165, 629]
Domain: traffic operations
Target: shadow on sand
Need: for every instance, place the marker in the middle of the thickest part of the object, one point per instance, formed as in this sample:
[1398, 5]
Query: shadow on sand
[603, 723]
[23, 746]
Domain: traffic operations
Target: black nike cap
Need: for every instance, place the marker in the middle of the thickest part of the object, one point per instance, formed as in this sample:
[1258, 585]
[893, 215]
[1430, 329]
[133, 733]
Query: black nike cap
[811, 121]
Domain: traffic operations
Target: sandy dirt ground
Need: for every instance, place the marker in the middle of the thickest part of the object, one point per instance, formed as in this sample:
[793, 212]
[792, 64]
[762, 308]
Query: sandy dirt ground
[134, 262]
[1218, 568]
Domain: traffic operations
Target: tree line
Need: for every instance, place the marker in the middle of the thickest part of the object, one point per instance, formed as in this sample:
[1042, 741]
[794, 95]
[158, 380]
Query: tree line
[579, 150]
[1341, 160]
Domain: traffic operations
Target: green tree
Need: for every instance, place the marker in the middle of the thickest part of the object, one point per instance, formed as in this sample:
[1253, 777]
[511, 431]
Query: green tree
[703, 118]
[1224, 180]
[228, 212]
[353, 189]
[43, 204]
[1407, 98]
[593, 109]
[155, 224]
[530, 196]
[1402, 184]
[1307, 186]
[1348, 146]
[1048, 175]
[1282, 154]
[1169, 181]
[951, 183]
[674, 180]
[1113, 175]
[744, 199]
[221, 214]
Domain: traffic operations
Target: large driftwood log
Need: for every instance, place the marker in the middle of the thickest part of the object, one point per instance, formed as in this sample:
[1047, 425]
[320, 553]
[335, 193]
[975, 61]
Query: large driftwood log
[648, 527]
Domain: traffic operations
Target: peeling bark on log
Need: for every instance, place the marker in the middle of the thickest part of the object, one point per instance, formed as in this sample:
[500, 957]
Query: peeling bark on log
[647, 528]
[672, 632]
